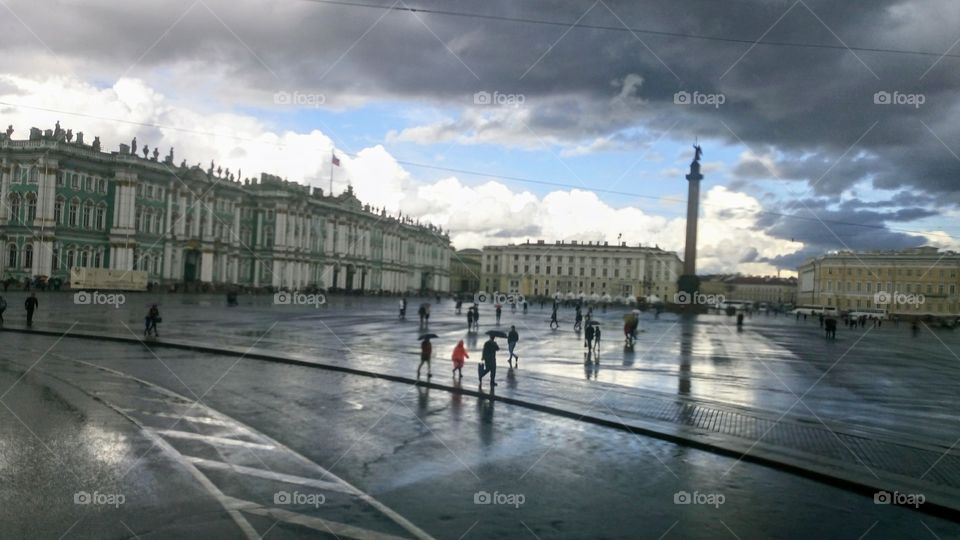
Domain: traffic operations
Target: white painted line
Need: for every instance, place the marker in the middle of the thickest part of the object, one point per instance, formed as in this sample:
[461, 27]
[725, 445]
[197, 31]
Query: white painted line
[206, 420]
[270, 475]
[177, 434]
[341, 530]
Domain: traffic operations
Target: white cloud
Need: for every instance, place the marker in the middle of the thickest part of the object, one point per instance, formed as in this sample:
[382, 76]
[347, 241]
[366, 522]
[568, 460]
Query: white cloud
[486, 213]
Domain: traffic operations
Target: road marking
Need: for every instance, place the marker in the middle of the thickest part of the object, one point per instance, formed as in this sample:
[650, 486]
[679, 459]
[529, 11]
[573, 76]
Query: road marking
[341, 530]
[270, 475]
[177, 434]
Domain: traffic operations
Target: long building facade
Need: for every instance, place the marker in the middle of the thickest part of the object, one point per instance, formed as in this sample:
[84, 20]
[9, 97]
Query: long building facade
[67, 204]
[919, 281]
[580, 267]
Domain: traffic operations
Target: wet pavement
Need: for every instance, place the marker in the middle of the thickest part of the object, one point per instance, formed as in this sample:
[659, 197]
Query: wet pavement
[872, 384]
[366, 458]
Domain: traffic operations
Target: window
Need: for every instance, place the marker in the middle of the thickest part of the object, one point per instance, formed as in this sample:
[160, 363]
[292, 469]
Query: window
[28, 256]
[98, 259]
[74, 211]
[75, 181]
[31, 207]
[87, 215]
[101, 220]
[70, 258]
[102, 185]
[14, 207]
[56, 257]
[88, 183]
[61, 181]
[84, 258]
[12, 256]
[58, 210]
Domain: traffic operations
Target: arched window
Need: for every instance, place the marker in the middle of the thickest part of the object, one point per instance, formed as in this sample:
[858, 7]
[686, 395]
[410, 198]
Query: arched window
[74, 213]
[31, 207]
[58, 210]
[28, 256]
[87, 215]
[56, 256]
[71, 257]
[12, 256]
[98, 258]
[84, 257]
[14, 208]
[101, 219]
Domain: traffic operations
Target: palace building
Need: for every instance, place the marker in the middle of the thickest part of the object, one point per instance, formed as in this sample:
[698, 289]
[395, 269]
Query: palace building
[67, 204]
[590, 268]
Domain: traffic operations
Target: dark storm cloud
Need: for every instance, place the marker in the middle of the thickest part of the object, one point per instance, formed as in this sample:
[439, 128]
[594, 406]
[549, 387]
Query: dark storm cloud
[808, 107]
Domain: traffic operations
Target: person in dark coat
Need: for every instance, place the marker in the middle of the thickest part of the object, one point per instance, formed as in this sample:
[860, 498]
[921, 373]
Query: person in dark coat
[31, 305]
[553, 318]
[589, 336]
[426, 352]
[489, 364]
[512, 338]
[469, 319]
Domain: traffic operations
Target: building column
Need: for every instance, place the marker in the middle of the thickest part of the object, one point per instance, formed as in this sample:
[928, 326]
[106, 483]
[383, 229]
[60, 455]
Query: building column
[206, 266]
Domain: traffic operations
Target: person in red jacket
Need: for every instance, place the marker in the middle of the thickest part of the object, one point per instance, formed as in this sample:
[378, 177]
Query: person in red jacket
[459, 358]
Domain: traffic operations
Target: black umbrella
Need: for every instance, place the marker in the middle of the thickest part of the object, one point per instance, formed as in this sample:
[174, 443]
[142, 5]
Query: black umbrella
[427, 336]
[497, 333]
[593, 323]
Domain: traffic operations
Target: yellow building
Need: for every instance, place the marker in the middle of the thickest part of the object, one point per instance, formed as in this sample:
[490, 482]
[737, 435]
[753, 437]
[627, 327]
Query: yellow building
[591, 268]
[771, 290]
[919, 281]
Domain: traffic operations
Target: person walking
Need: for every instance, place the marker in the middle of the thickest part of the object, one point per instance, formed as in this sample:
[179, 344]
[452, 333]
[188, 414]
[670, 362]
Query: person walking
[830, 324]
[469, 319]
[554, 323]
[596, 340]
[589, 337]
[476, 317]
[421, 312]
[524, 307]
[489, 364]
[578, 321]
[512, 338]
[151, 320]
[31, 305]
[499, 309]
[403, 308]
[426, 352]
[459, 305]
[459, 357]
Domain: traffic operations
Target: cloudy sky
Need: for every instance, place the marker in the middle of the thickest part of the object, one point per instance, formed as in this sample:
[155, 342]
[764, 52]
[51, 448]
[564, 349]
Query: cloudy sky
[825, 125]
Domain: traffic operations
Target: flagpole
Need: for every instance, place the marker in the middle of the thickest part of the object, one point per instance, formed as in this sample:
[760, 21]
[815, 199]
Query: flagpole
[332, 156]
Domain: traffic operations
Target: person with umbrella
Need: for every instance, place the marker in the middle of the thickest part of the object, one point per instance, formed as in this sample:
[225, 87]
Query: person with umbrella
[489, 356]
[459, 358]
[512, 338]
[426, 352]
